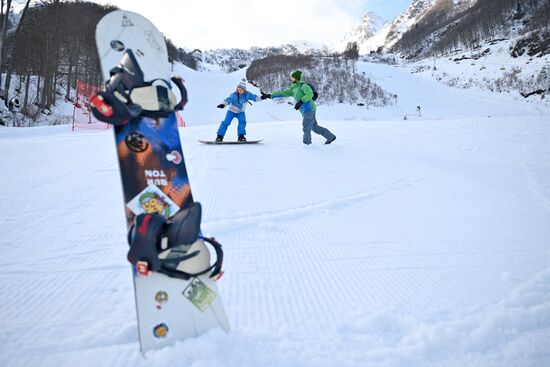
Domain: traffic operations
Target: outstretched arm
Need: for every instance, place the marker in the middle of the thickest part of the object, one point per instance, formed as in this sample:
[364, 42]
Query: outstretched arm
[226, 101]
[252, 97]
[282, 93]
[223, 103]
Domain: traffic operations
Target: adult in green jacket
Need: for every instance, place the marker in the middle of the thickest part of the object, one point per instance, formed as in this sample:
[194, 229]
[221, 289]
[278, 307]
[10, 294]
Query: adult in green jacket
[303, 96]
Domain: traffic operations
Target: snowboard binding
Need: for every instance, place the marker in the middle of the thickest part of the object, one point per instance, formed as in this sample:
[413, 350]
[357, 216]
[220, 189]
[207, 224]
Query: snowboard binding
[173, 246]
[128, 96]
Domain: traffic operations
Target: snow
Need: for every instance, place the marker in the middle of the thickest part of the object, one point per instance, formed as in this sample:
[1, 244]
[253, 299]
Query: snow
[418, 242]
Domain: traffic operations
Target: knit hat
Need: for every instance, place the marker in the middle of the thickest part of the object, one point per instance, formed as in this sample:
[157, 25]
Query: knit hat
[242, 85]
[296, 74]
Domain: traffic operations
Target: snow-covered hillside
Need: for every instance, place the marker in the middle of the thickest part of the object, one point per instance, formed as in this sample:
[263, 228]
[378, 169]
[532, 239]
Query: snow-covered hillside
[490, 68]
[230, 60]
[206, 90]
[418, 242]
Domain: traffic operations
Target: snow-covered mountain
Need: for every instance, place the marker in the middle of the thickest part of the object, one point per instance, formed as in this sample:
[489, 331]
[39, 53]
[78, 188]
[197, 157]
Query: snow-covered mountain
[471, 25]
[371, 25]
[406, 20]
[442, 26]
[375, 34]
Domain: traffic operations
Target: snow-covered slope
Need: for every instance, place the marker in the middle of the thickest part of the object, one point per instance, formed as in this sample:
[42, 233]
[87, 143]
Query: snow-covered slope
[207, 89]
[421, 242]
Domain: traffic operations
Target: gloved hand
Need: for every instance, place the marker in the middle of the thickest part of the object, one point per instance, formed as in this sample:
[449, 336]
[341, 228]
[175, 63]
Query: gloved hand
[265, 95]
[221, 105]
[298, 105]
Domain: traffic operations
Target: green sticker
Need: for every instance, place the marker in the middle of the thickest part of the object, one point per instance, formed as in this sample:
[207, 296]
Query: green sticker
[199, 294]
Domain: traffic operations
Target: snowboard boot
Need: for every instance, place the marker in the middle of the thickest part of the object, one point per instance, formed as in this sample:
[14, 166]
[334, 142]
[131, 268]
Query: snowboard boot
[241, 139]
[219, 139]
[330, 140]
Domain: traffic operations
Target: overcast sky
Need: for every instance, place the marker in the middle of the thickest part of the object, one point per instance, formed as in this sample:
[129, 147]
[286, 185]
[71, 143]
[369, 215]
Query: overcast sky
[209, 24]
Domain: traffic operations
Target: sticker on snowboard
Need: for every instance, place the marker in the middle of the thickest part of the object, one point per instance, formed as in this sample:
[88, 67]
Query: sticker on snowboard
[161, 298]
[161, 331]
[153, 200]
[199, 294]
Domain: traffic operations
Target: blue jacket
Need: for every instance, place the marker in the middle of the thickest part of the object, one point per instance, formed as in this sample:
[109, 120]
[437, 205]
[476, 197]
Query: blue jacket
[237, 102]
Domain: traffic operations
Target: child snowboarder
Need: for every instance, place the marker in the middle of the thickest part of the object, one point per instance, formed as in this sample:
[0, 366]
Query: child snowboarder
[303, 95]
[237, 102]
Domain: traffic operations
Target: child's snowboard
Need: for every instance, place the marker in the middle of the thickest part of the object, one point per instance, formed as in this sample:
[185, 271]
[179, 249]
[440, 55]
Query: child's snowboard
[176, 295]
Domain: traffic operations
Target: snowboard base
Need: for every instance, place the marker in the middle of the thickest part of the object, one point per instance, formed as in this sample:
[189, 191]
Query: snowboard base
[230, 142]
[173, 309]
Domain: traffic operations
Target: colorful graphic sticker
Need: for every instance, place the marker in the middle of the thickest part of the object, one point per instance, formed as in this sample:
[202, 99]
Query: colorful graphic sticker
[161, 331]
[136, 142]
[199, 294]
[174, 157]
[153, 200]
[161, 297]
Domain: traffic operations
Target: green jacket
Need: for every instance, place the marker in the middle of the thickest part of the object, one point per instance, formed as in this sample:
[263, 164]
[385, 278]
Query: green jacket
[301, 92]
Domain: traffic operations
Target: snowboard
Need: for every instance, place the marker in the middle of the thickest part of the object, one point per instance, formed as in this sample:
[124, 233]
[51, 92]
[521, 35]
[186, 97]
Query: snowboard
[230, 142]
[154, 180]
